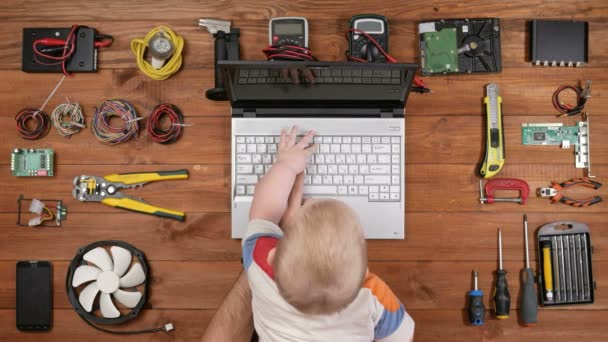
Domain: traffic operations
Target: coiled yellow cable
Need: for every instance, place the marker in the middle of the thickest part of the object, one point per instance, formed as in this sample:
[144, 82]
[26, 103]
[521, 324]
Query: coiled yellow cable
[172, 65]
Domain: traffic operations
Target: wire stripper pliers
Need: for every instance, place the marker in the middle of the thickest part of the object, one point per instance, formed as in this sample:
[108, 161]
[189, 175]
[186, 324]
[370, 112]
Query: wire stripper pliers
[106, 190]
[556, 196]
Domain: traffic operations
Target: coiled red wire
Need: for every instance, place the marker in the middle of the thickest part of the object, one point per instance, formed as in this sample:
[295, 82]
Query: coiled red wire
[43, 123]
[171, 134]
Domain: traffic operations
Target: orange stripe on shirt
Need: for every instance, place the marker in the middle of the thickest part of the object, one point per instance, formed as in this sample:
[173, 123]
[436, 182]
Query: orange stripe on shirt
[385, 295]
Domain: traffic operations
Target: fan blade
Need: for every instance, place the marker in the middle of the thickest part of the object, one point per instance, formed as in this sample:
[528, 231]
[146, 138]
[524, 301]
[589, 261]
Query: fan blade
[126, 298]
[85, 274]
[99, 257]
[134, 277]
[87, 296]
[122, 260]
[108, 310]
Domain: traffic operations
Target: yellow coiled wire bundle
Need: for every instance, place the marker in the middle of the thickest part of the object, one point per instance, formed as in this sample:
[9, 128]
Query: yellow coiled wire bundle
[171, 66]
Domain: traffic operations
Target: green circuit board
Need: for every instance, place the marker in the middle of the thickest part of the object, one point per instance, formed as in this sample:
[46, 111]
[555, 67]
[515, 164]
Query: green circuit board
[439, 51]
[549, 134]
[32, 162]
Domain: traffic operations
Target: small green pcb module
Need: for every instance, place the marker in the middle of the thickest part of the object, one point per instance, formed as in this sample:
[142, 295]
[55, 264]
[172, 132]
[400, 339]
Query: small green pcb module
[32, 162]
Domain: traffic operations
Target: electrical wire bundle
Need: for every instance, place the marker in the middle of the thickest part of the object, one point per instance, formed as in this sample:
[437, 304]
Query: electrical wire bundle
[171, 134]
[170, 42]
[288, 53]
[101, 128]
[581, 98]
[419, 85]
[41, 127]
[59, 51]
[68, 128]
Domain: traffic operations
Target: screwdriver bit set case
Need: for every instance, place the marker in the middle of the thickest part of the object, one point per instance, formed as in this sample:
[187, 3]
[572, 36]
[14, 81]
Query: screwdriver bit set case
[570, 260]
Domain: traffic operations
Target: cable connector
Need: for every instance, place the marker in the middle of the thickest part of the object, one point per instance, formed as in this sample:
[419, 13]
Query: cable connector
[36, 221]
[586, 93]
[169, 327]
[36, 206]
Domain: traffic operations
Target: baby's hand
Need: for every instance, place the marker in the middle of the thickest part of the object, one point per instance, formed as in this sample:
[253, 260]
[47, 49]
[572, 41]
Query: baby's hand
[295, 155]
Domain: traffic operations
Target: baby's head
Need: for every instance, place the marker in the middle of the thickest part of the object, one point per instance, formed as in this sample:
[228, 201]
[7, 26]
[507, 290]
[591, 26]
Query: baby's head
[321, 262]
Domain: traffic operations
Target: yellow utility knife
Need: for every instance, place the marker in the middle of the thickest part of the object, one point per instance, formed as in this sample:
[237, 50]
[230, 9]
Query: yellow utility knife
[106, 190]
[495, 144]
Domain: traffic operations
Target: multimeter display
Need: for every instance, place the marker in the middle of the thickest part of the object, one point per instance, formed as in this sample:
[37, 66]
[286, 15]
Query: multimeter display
[280, 28]
[370, 27]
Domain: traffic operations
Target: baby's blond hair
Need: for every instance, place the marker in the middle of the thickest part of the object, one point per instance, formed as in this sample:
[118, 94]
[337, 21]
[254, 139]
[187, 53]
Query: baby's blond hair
[321, 261]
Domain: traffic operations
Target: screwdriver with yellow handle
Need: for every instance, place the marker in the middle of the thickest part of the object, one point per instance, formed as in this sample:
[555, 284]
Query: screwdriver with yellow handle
[106, 190]
[547, 270]
[502, 298]
[495, 149]
[529, 301]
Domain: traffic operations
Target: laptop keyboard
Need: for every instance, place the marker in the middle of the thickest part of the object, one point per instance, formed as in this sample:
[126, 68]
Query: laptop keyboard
[344, 166]
[324, 76]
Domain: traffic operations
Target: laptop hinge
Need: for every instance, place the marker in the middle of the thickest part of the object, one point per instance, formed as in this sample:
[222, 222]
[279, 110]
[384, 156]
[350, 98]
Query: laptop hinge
[249, 113]
[390, 113]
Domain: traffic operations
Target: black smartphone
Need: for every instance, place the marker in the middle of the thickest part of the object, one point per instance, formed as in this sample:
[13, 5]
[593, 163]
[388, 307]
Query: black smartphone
[34, 291]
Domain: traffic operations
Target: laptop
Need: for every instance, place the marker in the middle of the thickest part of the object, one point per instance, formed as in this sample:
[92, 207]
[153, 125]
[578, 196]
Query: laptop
[357, 110]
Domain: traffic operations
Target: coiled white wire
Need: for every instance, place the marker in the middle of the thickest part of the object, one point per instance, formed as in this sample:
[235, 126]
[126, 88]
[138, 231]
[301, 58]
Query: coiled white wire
[76, 123]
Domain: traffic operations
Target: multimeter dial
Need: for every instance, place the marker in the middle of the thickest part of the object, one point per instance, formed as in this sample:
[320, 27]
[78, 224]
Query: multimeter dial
[360, 46]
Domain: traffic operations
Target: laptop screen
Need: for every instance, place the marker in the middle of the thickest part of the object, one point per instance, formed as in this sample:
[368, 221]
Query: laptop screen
[280, 84]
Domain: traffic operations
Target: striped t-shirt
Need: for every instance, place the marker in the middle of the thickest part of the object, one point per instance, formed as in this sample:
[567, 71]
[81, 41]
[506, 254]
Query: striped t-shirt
[375, 315]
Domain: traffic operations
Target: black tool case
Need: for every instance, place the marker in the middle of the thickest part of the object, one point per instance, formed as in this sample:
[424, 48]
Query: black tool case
[570, 260]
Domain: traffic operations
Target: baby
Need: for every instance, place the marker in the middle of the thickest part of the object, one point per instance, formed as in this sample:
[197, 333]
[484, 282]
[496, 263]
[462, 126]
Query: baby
[306, 262]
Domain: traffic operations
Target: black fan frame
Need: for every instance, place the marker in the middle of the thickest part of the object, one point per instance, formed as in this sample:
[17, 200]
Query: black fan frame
[78, 260]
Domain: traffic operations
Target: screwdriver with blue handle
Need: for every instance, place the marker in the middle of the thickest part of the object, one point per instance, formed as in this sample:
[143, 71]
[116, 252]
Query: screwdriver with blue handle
[477, 310]
[502, 298]
[529, 300]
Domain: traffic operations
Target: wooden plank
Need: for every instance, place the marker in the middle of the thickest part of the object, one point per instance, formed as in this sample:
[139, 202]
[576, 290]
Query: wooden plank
[173, 9]
[428, 285]
[432, 325]
[173, 285]
[471, 237]
[206, 237]
[525, 91]
[429, 188]
[326, 41]
[207, 189]
[202, 237]
[443, 285]
[456, 188]
[451, 325]
[208, 142]
[461, 139]
[67, 326]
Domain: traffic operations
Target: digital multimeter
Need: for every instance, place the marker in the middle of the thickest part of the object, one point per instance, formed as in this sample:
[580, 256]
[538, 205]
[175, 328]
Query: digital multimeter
[288, 31]
[362, 48]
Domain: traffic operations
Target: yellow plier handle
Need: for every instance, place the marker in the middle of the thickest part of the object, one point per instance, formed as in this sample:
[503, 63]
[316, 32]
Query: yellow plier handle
[129, 203]
[135, 205]
[145, 177]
